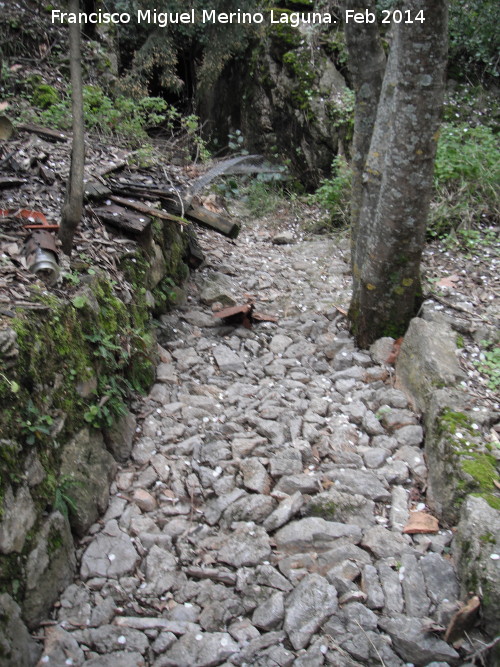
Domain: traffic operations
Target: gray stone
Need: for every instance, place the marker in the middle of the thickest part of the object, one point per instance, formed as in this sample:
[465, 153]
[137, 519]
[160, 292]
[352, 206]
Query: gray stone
[383, 543]
[477, 551]
[199, 319]
[399, 513]
[440, 578]
[357, 615]
[427, 359]
[288, 462]
[255, 476]
[17, 647]
[362, 482]
[218, 288]
[251, 507]
[204, 649]
[18, 518]
[285, 511]
[344, 507]
[89, 469]
[161, 571]
[413, 643]
[381, 349]
[166, 372]
[248, 545]
[270, 613]
[119, 437]
[111, 554]
[391, 586]
[279, 343]
[409, 435]
[371, 424]
[314, 533]
[227, 359]
[143, 450]
[413, 584]
[375, 457]
[414, 458]
[61, 648]
[283, 238]
[307, 607]
[117, 659]
[49, 569]
[213, 509]
[370, 585]
[109, 638]
[302, 483]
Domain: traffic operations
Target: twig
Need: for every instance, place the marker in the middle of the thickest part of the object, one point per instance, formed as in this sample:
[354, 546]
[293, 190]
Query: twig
[167, 177]
[375, 648]
[479, 653]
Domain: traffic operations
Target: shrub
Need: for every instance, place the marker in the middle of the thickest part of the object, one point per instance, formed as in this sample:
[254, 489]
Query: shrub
[334, 194]
[466, 179]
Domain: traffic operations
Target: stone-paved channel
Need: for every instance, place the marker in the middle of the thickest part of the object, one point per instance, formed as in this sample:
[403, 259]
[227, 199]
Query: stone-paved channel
[260, 519]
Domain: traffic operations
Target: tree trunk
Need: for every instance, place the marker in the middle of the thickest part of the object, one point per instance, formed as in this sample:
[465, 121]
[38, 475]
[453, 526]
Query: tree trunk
[397, 175]
[72, 210]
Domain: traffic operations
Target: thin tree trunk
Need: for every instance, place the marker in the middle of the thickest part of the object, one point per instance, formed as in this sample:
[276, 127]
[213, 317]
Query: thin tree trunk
[397, 177]
[72, 210]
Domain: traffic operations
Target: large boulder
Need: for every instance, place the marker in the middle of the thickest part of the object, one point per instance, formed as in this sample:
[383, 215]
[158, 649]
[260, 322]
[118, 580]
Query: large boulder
[458, 462]
[87, 469]
[288, 95]
[17, 647]
[477, 552]
[427, 361]
[49, 569]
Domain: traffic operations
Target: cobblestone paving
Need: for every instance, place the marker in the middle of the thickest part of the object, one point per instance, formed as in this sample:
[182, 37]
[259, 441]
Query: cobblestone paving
[260, 519]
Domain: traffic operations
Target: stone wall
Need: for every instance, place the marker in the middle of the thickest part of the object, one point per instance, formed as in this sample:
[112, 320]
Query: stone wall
[464, 469]
[64, 372]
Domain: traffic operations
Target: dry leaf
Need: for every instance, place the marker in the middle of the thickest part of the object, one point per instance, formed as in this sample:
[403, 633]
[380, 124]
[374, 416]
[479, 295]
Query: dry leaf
[462, 620]
[448, 281]
[4, 106]
[421, 522]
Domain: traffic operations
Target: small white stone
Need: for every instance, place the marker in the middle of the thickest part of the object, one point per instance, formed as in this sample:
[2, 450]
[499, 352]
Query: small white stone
[122, 639]
[495, 556]
[199, 637]
[111, 557]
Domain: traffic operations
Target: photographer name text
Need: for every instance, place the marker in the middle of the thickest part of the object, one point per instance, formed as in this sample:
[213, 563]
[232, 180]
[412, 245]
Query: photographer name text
[295, 19]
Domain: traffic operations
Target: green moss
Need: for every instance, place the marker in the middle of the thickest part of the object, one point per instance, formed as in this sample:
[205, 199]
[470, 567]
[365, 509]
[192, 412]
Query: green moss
[326, 509]
[54, 541]
[488, 538]
[450, 422]
[491, 499]
[45, 96]
[299, 66]
[482, 468]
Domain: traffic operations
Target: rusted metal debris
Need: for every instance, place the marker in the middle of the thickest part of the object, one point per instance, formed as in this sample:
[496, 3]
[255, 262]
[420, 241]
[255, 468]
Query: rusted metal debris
[244, 315]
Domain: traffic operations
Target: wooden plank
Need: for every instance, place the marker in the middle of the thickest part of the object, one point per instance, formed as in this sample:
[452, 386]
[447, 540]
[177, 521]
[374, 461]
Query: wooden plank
[154, 212]
[214, 221]
[123, 218]
[45, 132]
[9, 182]
[94, 190]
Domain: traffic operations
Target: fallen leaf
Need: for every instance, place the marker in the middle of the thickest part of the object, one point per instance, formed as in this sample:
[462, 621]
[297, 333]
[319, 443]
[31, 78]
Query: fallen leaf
[448, 281]
[421, 522]
[4, 106]
[462, 620]
[393, 355]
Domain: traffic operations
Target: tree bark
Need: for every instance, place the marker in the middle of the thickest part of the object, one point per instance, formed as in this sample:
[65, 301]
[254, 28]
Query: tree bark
[397, 176]
[72, 210]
